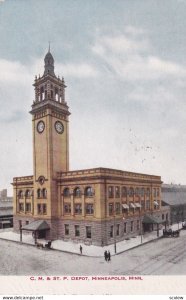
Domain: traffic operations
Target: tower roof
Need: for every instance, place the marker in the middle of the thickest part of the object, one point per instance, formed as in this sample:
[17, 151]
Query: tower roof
[49, 64]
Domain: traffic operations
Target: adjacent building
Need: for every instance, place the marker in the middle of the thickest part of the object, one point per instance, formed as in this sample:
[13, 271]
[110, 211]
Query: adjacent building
[94, 206]
[175, 197]
[6, 210]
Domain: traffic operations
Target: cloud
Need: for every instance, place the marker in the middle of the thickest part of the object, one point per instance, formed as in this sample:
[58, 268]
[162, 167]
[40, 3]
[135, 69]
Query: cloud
[131, 57]
[13, 71]
[79, 70]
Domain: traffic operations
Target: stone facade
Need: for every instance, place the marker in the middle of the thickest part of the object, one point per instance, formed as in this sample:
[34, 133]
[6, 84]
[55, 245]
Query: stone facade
[95, 206]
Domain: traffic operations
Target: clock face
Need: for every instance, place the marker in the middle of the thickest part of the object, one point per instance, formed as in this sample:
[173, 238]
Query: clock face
[59, 127]
[40, 126]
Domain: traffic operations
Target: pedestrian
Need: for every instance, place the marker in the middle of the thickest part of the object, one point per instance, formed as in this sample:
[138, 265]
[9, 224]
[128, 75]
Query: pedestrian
[109, 256]
[105, 255]
[81, 249]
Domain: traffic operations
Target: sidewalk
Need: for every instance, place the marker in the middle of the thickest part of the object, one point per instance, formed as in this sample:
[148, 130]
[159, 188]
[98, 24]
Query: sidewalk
[73, 247]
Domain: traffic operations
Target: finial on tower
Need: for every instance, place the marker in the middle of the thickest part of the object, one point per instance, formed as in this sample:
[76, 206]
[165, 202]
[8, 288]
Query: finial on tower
[49, 46]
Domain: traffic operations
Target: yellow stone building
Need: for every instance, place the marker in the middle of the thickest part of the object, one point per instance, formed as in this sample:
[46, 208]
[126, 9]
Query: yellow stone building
[94, 206]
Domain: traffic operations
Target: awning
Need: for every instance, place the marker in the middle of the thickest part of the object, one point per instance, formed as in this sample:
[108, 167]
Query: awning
[156, 203]
[125, 206]
[132, 205]
[151, 220]
[36, 226]
[138, 205]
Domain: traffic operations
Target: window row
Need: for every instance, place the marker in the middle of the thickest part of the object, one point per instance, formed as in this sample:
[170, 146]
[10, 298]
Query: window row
[77, 232]
[127, 227]
[117, 192]
[142, 205]
[77, 192]
[41, 193]
[27, 207]
[41, 208]
[89, 208]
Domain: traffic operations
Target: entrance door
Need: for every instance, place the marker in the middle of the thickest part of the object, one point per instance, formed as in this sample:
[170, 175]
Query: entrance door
[41, 234]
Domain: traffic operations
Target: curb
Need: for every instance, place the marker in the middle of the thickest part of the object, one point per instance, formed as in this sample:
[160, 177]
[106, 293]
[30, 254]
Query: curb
[69, 252]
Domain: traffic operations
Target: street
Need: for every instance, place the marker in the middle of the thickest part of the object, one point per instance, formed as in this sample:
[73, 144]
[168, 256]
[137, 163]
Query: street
[166, 256]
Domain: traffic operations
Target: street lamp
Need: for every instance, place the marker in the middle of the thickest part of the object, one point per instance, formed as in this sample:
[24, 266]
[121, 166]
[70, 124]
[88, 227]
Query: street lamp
[140, 225]
[114, 233]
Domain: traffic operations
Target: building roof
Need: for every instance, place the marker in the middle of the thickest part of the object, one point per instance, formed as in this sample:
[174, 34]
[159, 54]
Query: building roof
[174, 197]
[36, 225]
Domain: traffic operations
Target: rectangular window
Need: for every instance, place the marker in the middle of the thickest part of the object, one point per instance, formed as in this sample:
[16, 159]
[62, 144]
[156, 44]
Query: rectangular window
[77, 230]
[39, 210]
[89, 209]
[148, 204]
[44, 209]
[111, 192]
[117, 229]
[142, 204]
[20, 224]
[117, 191]
[28, 207]
[132, 226]
[111, 209]
[138, 224]
[67, 208]
[88, 232]
[78, 209]
[158, 192]
[111, 231]
[154, 193]
[27, 222]
[125, 228]
[117, 208]
[66, 229]
[21, 206]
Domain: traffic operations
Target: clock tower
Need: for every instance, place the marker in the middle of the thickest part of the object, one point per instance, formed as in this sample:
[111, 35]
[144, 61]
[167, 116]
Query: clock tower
[50, 138]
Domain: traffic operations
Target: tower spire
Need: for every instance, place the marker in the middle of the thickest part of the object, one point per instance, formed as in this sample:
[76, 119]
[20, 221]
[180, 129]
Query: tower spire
[49, 46]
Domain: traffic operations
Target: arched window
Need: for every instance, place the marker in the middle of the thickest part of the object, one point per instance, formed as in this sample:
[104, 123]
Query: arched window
[131, 192]
[27, 194]
[44, 192]
[66, 192]
[89, 191]
[38, 193]
[124, 191]
[77, 192]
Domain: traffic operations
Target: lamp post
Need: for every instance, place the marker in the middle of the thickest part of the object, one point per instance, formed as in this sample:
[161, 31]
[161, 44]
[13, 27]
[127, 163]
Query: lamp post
[140, 225]
[114, 233]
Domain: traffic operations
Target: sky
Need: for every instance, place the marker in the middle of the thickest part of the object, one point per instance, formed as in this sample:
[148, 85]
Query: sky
[124, 64]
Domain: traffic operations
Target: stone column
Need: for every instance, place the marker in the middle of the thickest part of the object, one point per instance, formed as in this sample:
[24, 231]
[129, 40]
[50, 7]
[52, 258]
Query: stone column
[83, 204]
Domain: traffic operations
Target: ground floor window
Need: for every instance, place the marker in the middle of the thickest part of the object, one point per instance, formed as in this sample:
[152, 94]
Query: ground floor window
[117, 229]
[138, 224]
[27, 222]
[111, 231]
[125, 228]
[77, 230]
[132, 226]
[88, 232]
[66, 229]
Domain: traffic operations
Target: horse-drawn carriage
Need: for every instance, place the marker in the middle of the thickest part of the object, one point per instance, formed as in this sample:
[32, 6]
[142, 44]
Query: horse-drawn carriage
[171, 233]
